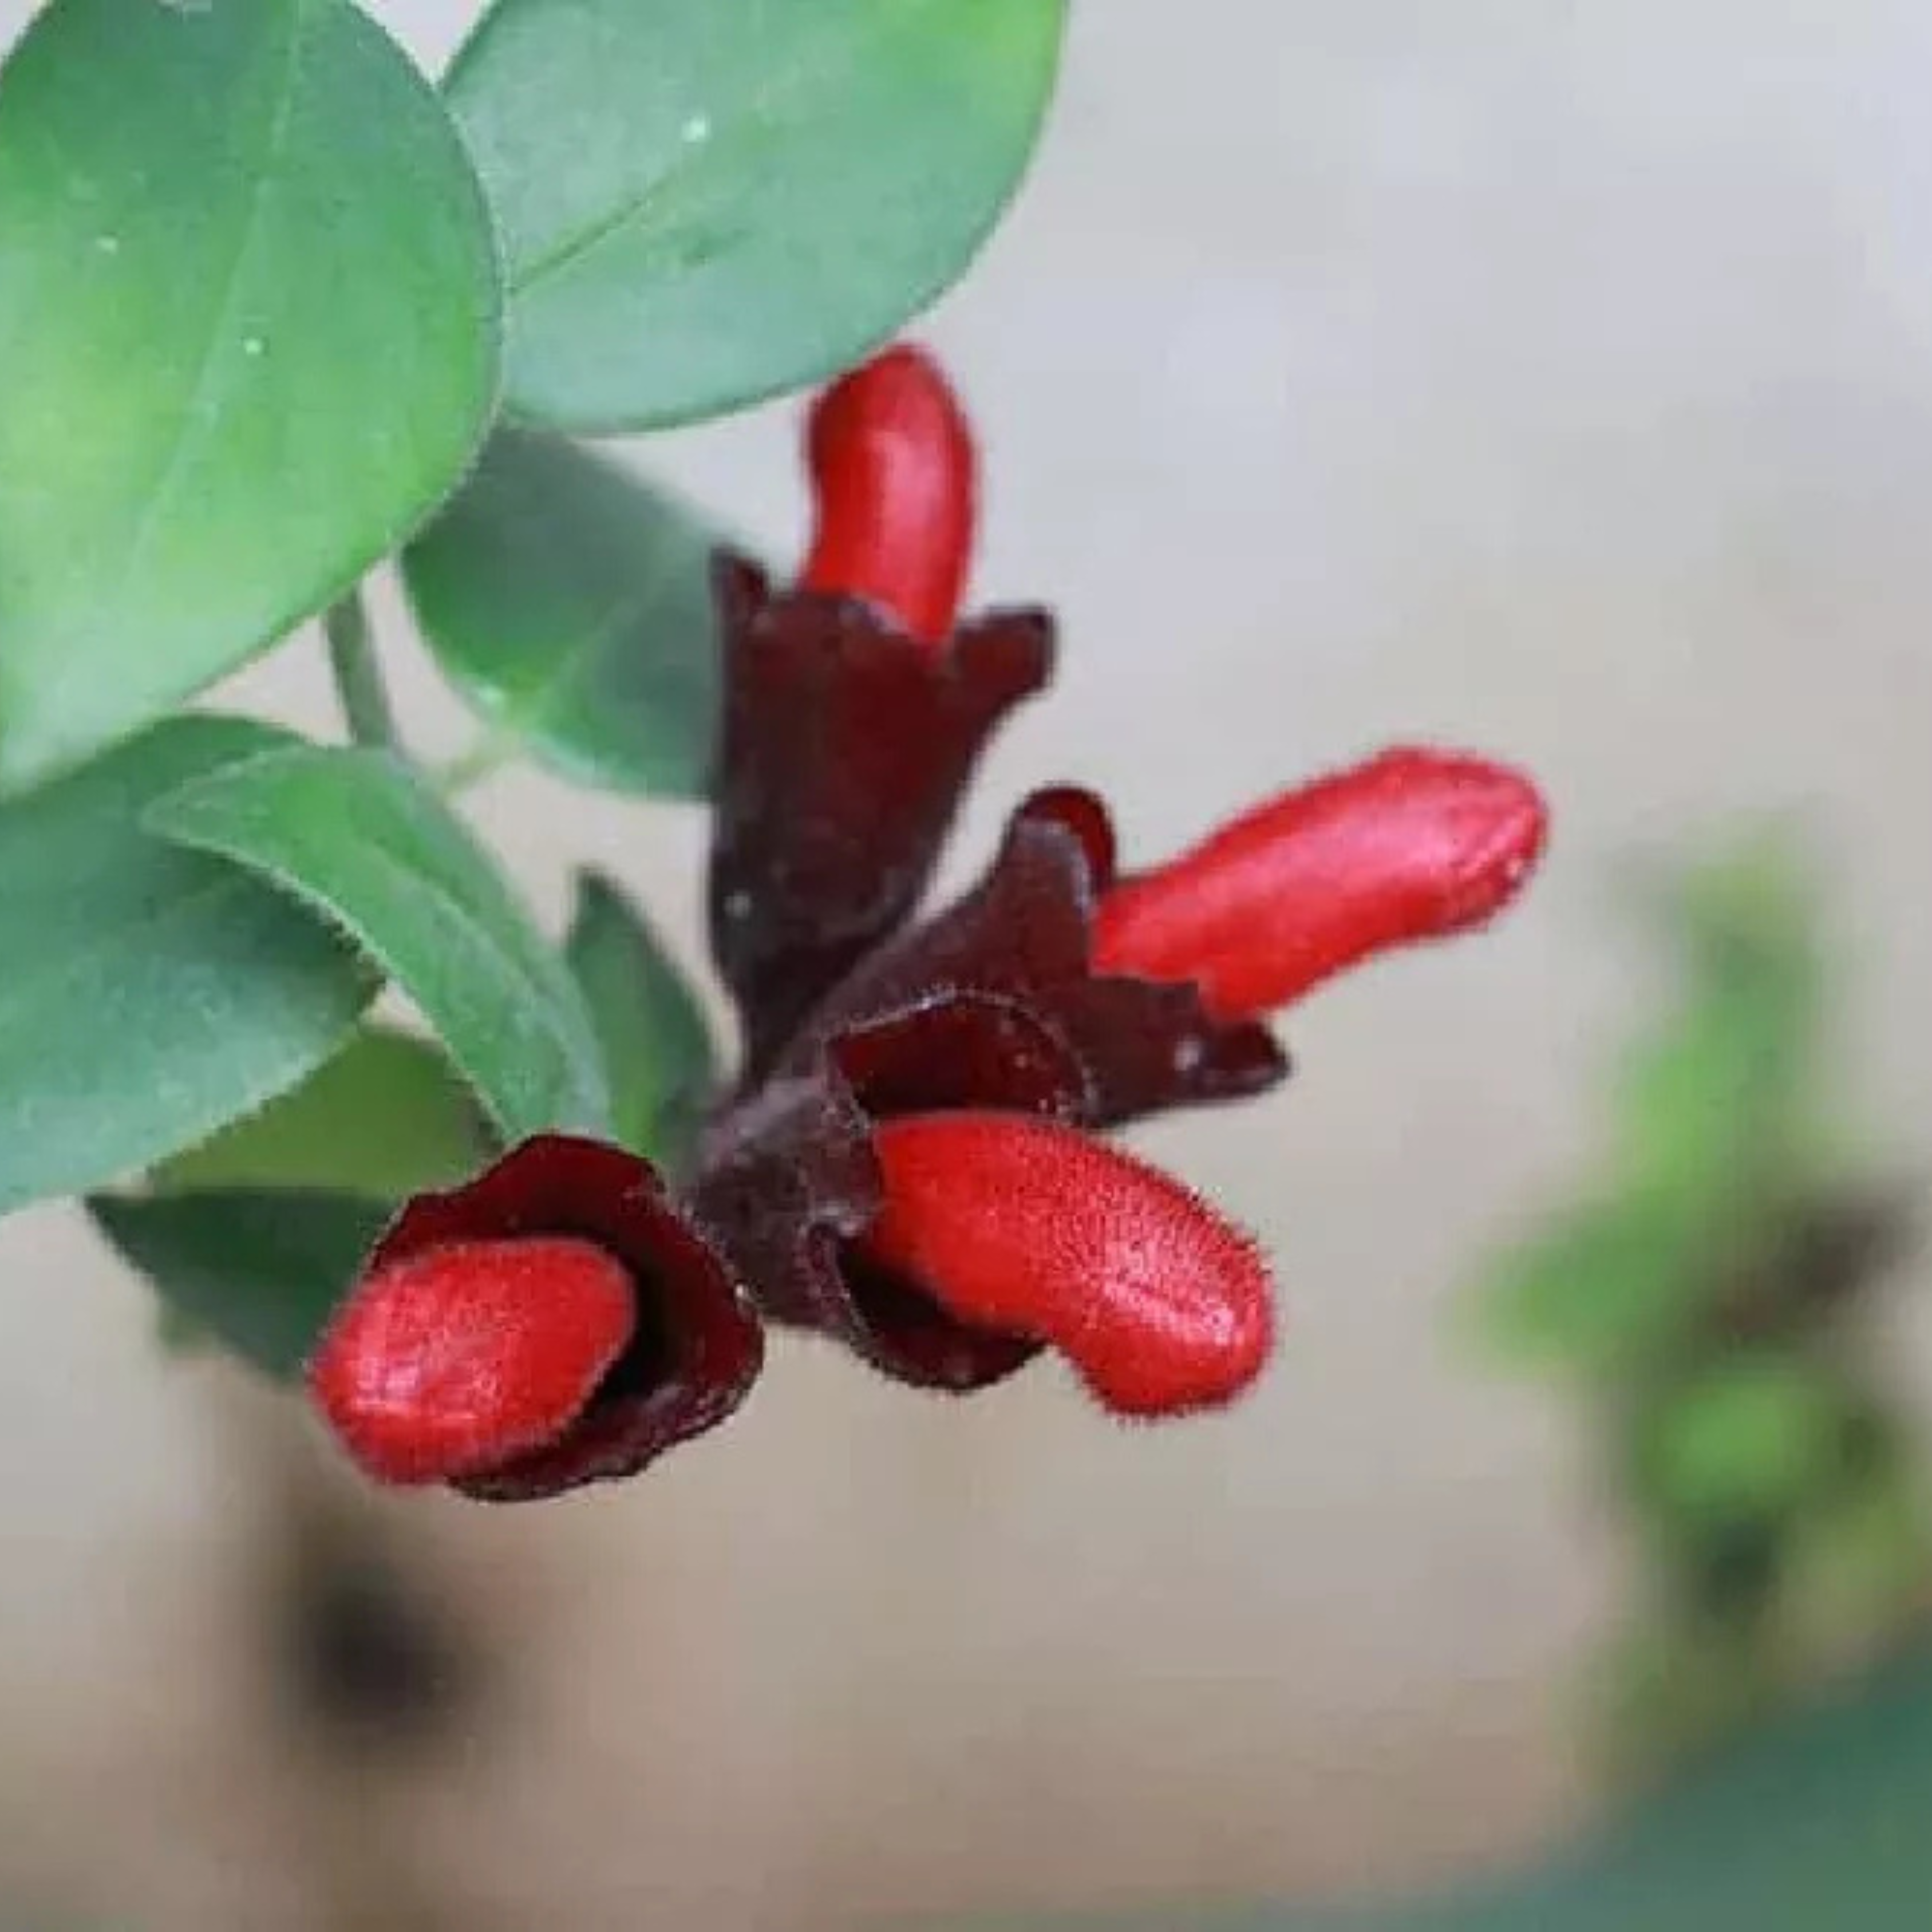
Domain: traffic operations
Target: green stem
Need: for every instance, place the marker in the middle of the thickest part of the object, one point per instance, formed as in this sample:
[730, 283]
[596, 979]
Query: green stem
[358, 676]
[484, 759]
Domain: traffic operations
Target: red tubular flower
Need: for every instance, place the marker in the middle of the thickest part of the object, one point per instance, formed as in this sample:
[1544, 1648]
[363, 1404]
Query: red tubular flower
[855, 708]
[906, 1163]
[1412, 845]
[892, 464]
[987, 1008]
[556, 1321]
[1029, 1227]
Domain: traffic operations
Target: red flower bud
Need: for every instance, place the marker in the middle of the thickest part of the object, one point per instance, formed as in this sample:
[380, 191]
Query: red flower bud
[1412, 845]
[892, 462]
[557, 1319]
[461, 1358]
[1030, 1227]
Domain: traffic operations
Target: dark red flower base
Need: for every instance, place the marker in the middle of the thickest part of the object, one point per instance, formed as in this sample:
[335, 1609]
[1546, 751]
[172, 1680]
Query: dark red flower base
[846, 746]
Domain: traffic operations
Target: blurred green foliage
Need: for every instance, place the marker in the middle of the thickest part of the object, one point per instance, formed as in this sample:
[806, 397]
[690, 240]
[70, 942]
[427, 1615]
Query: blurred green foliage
[1702, 1301]
[1817, 1823]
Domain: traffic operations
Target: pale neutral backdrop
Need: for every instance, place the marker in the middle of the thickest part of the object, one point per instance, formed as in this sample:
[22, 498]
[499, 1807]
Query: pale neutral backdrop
[1556, 379]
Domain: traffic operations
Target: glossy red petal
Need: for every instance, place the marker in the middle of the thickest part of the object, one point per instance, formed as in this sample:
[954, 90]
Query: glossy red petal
[893, 471]
[1031, 1228]
[1412, 845]
[458, 1358]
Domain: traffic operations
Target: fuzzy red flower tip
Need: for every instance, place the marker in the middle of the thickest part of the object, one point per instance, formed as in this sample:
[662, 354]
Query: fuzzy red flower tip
[1412, 845]
[891, 461]
[1031, 1228]
[459, 1358]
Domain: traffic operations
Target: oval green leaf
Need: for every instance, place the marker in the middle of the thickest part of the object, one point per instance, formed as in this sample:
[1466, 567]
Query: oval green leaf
[259, 1271]
[248, 340]
[570, 603]
[148, 995]
[360, 835]
[663, 1065]
[387, 1117]
[705, 205]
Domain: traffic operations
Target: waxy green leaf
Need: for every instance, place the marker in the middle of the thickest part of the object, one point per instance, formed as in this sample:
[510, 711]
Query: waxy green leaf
[704, 205]
[362, 836]
[249, 322]
[259, 1271]
[388, 1116]
[148, 995]
[251, 1239]
[663, 1065]
[572, 605]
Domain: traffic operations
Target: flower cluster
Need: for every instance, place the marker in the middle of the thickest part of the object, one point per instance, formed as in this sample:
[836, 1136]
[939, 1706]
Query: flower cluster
[911, 1160]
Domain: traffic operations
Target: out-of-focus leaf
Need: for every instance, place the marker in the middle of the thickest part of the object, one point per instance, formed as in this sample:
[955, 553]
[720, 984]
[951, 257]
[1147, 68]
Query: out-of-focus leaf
[362, 836]
[148, 995]
[1751, 1439]
[388, 1116]
[570, 603]
[655, 1041]
[1608, 1285]
[1859, 1574]
[1816, 1825]
[1669, 1688]
[1722, 1101]
[1718, 1107]
[259, 1270]
[248, 338]
[702, 205]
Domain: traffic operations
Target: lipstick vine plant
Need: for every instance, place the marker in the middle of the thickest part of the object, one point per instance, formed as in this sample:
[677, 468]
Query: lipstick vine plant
[1712, 1301]
[273, 309]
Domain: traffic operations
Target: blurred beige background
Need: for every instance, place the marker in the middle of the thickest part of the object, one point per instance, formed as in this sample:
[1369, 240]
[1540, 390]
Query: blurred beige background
[1556, 379]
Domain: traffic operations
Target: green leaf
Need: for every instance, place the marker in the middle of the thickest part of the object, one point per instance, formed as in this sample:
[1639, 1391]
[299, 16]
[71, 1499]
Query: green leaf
[360, 835]
[1748, 1440]
[705, 205]
[1672, 1687]
[148, 995]
[1722, 1102]
[259, 1271]
[572, 605]
[655, 1042]
[1720, 1105]
[248, 339]
[386, 1117]
[1814, 1823]
[1605, 1286]
[1859, 1574]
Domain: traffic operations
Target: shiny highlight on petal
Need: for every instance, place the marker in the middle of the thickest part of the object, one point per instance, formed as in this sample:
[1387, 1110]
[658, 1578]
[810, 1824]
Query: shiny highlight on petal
[461, 1358]
[1414, 844]
[893, 468]
[1031, 1228]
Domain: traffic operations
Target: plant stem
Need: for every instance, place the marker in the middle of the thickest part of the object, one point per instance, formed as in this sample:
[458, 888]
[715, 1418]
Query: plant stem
[487, 756]
[358, 676]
